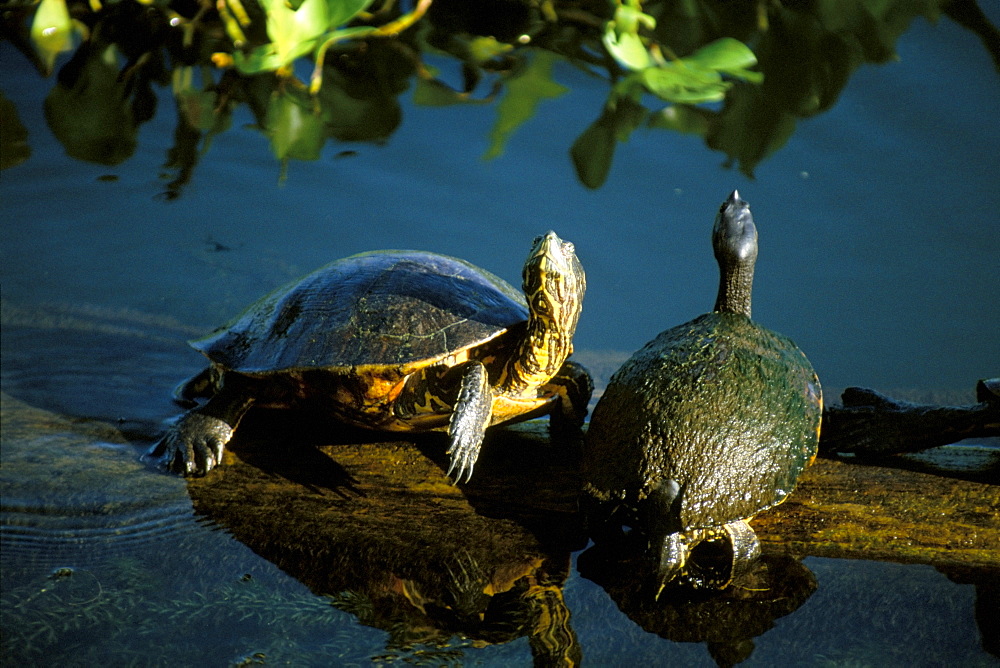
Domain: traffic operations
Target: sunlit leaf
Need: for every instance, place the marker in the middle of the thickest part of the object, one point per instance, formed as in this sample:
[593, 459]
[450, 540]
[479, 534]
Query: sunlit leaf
[629, 17]
[294, 32]
[524, 93]
[676, 83]
[484, 49]
[626, 48]
[621, 35]
[51, 31]
[722, 54]
[262, 59]
[726, 55]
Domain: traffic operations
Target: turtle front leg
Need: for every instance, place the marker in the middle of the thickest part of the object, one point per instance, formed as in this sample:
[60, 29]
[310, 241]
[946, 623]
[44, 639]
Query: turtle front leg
[573, 388]
[194, 445]
[471, 415]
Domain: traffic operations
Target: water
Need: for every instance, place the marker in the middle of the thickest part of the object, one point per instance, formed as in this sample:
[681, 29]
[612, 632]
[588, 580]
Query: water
[879, 242]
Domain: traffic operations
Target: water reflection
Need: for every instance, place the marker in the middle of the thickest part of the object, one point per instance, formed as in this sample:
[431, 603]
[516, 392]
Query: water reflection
[379, 529]
[805, 55]
[725, 621]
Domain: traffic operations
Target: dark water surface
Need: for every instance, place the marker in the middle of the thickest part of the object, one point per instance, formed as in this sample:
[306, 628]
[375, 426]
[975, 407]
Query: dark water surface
[880, 239]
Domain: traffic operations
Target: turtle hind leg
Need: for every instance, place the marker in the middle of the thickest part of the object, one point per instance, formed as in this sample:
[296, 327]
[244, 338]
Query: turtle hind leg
[472, 412]
[202, 385]
[194, 444]
[721, 554]
[572, 387]
[746, 546]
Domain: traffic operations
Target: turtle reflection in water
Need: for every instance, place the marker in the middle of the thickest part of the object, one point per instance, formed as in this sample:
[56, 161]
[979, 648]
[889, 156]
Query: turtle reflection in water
[707, 425]
[396, 341]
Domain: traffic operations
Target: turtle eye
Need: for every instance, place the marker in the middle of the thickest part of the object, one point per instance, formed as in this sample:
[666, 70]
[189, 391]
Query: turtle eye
[534, 242]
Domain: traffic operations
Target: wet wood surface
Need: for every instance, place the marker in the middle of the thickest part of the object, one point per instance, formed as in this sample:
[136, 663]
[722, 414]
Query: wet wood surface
[859, 511]
[526, 486]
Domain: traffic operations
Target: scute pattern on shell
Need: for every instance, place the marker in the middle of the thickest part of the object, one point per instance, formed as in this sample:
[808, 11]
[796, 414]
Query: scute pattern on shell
[727, 408]
[424, 307]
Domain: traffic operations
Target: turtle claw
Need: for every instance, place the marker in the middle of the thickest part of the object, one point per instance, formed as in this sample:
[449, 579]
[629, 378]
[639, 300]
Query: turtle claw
[464, 470]
[464, 452]
[193, 446]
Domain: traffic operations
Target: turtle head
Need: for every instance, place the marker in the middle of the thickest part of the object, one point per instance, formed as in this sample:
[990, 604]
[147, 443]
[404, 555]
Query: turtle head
[554, 285]
[734, 240]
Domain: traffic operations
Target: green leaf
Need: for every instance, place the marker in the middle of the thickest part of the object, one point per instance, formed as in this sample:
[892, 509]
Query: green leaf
[593, 151]
[698, 78]
[626, 48]
[433, 93]
[723, 54]
[676, 83]
[485, 49]
[342, 11]
[621, 35]
[295, 130]
[262, 59]
[525, 92]
[681, 118]
[51, 31]
[629, 17]
[592, 154]
[294, 32]
[726, 55]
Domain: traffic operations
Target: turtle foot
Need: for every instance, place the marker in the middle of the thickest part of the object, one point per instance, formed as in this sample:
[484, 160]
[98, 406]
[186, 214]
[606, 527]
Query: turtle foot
[671, 554]
[193, 446]
[469, 421]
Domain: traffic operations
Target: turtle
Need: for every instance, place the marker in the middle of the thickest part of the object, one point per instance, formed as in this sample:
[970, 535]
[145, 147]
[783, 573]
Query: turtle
[395, 340]
[705, 426]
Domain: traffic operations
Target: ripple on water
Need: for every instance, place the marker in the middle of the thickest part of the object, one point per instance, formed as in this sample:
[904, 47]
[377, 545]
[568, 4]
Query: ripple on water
[75, 490]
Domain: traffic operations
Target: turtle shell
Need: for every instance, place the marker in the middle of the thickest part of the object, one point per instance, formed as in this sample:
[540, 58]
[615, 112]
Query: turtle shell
[380, 309]
[726, 408]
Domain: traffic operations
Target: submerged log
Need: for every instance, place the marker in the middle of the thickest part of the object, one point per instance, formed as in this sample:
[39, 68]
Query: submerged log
[871, 424]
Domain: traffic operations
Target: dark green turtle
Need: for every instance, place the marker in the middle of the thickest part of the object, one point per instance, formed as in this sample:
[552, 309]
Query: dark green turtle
[396, 341]
[707, 425]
